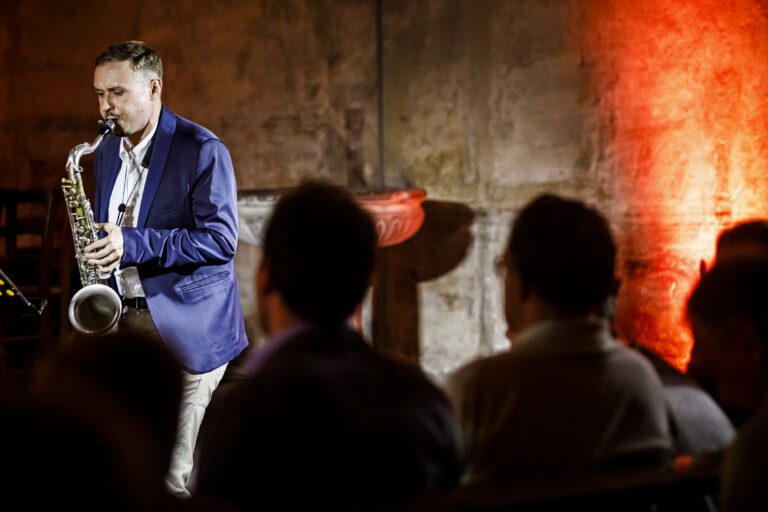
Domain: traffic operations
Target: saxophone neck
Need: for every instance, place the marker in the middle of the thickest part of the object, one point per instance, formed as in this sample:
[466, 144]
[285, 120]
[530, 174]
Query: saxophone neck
[79, 151]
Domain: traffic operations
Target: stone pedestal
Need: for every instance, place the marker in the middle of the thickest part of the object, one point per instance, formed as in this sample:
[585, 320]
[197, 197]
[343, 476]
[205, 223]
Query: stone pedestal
[398, 215]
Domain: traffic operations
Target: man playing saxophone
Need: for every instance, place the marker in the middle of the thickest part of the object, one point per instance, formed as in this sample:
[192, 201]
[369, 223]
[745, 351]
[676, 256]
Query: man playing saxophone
[166, 200]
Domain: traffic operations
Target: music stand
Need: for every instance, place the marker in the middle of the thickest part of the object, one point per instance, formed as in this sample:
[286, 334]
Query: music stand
[9, 292]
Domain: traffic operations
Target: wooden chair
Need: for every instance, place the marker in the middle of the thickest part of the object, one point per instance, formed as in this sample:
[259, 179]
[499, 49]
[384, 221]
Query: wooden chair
[35, 252]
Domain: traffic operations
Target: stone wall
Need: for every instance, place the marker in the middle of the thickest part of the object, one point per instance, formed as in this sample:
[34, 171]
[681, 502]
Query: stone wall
[652, 111]
[681, 88]
[484, 105]
[286, 84]
[649, 110]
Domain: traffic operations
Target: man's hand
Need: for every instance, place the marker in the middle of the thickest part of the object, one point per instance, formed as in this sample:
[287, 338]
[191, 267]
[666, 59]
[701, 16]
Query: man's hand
[106, 252]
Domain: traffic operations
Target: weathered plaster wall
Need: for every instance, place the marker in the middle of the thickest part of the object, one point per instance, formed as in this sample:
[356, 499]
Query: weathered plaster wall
[681, 88]
[484, 104]
[651, 111]
[288, 85]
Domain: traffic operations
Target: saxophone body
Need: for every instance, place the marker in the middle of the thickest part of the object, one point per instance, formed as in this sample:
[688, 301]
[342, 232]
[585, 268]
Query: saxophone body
[95, 308]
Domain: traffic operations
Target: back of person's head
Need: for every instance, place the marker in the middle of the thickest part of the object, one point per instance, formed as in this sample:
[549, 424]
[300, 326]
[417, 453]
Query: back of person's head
[55, 458]
[728, 312]
[563, 252]
[115, 360]
[136, 374]
[143, 59]
[319, 248]
[748, 238]
[733, 289]
[335, 428]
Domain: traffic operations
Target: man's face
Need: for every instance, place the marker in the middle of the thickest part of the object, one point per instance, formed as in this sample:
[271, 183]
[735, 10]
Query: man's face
[125, 96]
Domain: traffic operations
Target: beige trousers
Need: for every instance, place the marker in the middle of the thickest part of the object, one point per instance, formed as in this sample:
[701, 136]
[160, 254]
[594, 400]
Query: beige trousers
[197, 390]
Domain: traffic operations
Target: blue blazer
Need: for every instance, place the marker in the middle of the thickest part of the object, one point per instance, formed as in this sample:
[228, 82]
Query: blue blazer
[184, 240]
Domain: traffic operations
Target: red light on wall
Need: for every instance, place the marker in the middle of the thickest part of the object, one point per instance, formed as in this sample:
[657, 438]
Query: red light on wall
[682, 89]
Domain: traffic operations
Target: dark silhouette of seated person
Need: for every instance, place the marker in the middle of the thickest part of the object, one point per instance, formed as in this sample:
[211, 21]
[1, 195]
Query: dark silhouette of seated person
[567, 397]
[56, 459]
[323, 421]
[728, 312]
[124, 378]
[699, 425]
[745, 239]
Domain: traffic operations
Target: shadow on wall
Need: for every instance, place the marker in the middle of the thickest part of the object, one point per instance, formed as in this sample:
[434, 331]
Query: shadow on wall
[439, 247]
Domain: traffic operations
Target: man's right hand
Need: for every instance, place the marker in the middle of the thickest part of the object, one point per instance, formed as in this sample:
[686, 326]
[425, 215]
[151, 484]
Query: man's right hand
[107, 252]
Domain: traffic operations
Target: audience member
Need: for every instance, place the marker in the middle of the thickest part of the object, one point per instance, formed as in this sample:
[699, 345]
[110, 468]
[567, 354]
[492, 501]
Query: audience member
[90, 435]
[55, 458]
[699, 425]
[567, 397]
[728, 312]
[748, 238]
[110, 365]
[94, 379]
[323, 421]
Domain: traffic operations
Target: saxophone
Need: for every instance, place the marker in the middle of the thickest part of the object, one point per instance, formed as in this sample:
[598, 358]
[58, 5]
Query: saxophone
[95, 308]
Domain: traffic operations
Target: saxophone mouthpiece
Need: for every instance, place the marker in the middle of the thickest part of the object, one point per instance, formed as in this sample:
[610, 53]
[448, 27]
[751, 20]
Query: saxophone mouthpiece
[107, 126]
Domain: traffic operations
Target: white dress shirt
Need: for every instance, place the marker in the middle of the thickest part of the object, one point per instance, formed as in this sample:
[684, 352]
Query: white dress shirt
[128, 190]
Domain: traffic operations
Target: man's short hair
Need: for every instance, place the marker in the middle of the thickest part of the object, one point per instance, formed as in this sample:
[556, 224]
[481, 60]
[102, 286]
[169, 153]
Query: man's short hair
[564, 252]
[736, 288]
[142, 57]
[320, 250]
[748, 233]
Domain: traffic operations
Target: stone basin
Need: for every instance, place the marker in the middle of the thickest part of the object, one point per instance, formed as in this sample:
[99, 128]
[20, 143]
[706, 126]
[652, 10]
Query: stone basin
[397, 213]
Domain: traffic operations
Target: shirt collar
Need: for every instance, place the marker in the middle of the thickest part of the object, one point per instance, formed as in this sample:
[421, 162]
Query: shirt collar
[565, 334]
[141, 151]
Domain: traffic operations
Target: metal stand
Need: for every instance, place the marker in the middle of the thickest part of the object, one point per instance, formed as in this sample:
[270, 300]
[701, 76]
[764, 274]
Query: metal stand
[12, 298]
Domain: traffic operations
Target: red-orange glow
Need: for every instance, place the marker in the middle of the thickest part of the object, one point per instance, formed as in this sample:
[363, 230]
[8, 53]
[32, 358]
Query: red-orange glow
[682, 89]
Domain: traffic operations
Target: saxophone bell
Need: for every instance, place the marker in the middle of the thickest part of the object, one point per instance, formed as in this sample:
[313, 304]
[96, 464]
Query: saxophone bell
[95, 309]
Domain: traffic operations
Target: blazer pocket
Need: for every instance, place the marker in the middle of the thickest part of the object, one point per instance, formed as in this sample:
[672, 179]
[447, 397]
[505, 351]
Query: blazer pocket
[167, 213]
[207, 286]
[178, 218]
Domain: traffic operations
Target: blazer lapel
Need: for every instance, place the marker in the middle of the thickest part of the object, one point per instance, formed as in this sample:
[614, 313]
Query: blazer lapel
[166, 127]
[112, 149]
